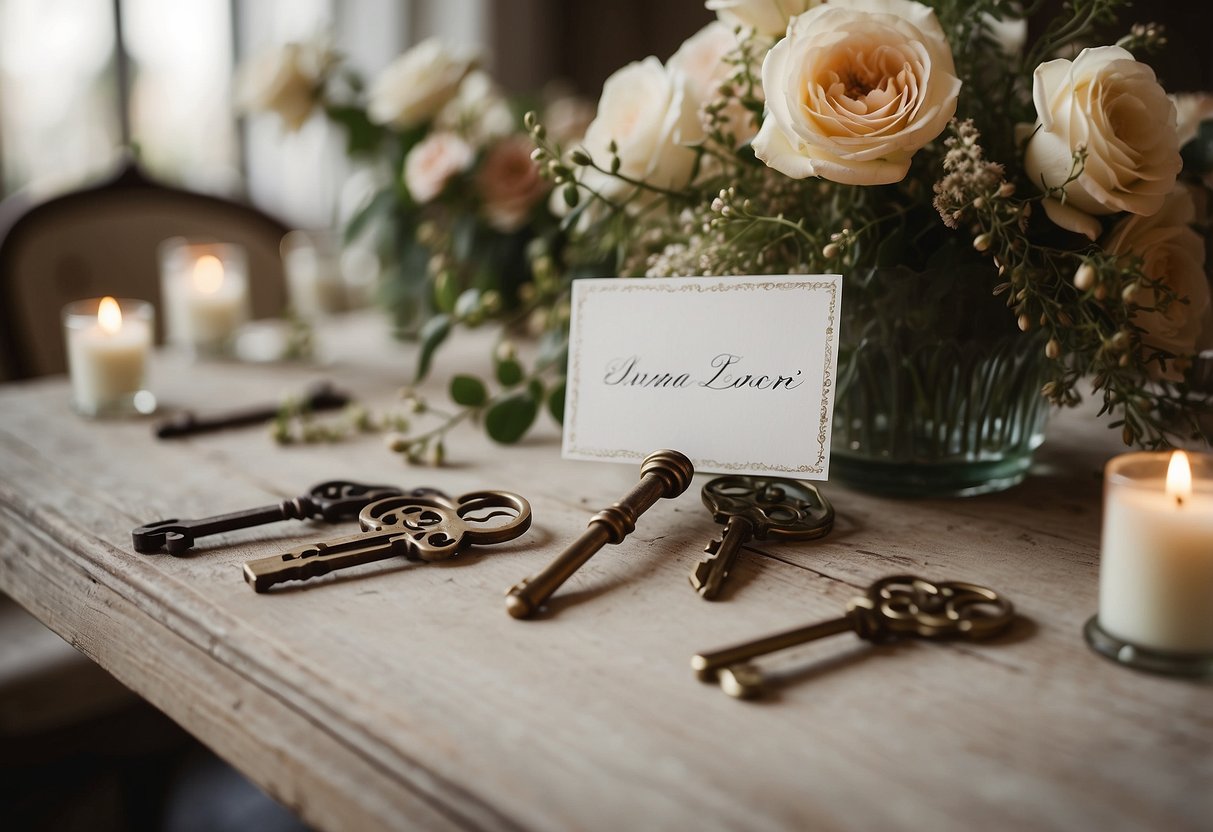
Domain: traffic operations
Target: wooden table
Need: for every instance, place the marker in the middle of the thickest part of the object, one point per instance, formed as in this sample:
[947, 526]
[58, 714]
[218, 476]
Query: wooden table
[400, 695]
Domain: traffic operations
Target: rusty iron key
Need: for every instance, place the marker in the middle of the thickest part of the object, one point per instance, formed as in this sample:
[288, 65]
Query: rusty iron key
[662, 474]
[756, 508]
[900, 605]
[331, 501]
[416, 528]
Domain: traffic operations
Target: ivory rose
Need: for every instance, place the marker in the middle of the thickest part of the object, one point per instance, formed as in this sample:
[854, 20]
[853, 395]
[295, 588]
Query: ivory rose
[433, 161]
[855, 88]
[415, 86]
[1191, 109]
[701, 59]
[478, 112]
[1110, 104]
[649, 115]
[1171, 252]
[510, 183]
[767, 17]
[284, 81]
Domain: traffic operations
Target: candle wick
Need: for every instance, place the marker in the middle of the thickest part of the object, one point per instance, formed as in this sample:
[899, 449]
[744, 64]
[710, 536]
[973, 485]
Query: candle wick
[1179, 500]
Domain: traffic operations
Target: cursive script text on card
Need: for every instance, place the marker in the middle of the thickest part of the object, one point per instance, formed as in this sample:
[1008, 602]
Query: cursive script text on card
[626, 372]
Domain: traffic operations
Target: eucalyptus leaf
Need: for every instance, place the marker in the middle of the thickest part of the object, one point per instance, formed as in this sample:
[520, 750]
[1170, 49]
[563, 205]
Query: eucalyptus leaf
[467, 303]
[468, 391]
[433, 333]
[510, 418]
[509, 372]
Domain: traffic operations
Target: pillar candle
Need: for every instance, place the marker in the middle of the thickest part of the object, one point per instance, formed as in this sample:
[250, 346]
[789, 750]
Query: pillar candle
[107, 354]
[1156, 570]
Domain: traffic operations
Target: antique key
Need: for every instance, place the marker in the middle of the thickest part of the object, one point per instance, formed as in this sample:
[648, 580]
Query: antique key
[757, 508]
[900, 605]
[321, 396]
[417, 528]
[662, 474]
[331, 501]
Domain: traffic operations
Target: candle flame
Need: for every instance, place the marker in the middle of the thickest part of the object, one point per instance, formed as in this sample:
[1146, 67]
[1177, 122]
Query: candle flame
[208, 274]
[1179, 477]
[109, 316]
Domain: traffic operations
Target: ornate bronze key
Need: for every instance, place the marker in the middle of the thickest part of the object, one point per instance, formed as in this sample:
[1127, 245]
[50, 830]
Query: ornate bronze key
[757, 508]
[331, 501]
[416, 528]
[662, 474]
[901, 605]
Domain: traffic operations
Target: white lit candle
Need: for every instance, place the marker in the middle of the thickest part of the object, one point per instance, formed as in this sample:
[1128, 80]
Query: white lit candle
[312, 262]
[206, 295]
[1156, 571]
[107, 355]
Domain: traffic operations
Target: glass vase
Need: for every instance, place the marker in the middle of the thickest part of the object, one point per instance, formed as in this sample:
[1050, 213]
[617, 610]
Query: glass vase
[938, 391]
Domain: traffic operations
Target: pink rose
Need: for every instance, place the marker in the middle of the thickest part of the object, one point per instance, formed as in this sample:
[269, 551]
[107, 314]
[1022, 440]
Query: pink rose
[510, 184]
[432, 163]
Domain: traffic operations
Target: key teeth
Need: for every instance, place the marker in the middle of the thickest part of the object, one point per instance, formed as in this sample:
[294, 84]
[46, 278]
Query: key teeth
[714, 546]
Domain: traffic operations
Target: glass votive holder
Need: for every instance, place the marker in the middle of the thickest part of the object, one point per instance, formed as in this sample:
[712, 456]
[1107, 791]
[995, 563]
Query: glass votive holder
[109, 342]
[1156, 564]
[205, 291]
[315, 284]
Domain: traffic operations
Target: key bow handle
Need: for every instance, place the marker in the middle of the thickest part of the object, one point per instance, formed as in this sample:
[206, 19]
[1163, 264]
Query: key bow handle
[909, 605]
[439, 527]
[337, 500]
[775, 506]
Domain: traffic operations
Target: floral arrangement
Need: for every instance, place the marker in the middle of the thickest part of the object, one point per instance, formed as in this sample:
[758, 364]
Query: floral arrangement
[1043, 184]
[850, 135]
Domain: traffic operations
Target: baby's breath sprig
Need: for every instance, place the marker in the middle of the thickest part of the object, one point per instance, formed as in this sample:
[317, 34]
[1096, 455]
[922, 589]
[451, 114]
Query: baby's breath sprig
[296, 423]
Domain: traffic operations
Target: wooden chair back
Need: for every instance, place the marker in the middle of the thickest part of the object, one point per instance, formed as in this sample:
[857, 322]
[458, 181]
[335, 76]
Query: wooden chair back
[103, 241]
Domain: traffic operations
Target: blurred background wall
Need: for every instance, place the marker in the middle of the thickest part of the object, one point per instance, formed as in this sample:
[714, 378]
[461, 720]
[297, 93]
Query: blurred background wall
[60, 96]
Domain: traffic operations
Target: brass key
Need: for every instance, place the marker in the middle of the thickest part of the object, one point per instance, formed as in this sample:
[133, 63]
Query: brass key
[757, 508]
[662, 474]
[417, 528]
[900, 605]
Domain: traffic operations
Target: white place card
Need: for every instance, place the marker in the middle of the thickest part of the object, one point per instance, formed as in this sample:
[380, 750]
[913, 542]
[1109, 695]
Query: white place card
[735, 372]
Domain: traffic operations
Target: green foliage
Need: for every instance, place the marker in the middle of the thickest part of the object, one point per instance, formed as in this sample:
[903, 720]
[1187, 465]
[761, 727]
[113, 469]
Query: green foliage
[468, 391]
[433, 333]
[509, 418]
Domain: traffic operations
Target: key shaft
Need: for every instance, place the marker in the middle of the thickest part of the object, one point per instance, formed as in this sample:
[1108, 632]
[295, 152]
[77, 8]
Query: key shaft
[662, 474]
[710, 573]
[323, 558]
[707, 665]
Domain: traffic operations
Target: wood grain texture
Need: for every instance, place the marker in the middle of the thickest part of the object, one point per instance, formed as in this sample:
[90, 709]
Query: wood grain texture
[402, 696]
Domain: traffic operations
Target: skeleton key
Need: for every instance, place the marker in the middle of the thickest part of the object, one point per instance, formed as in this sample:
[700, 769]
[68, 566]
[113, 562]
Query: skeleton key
[757, 508]
[900, 605]
[416, 528]
[331, 501]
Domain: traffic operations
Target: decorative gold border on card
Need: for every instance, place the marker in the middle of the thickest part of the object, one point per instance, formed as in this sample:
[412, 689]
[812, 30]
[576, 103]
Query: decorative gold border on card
[706, 287]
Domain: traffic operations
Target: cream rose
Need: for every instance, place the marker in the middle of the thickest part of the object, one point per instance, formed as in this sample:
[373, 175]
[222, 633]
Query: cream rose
[1111, 104]
[510, 184]
[478, 112]
[1174, 254]
[767, 17]
[855, 88]
[415, 86]
[701, 59]
[284, 81]
[649, 115]
[1191, 110]
[433, 161]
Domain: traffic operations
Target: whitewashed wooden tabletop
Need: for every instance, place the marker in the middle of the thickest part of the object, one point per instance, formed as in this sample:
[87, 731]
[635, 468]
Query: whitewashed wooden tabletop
[401, 695]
